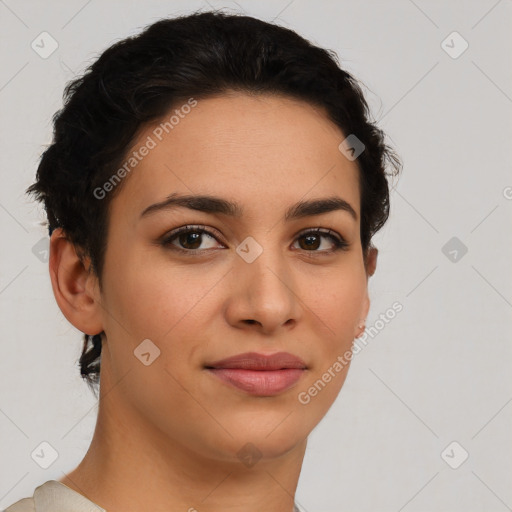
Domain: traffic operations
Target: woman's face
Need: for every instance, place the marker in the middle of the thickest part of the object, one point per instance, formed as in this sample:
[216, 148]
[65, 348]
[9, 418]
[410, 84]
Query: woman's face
[254, 281]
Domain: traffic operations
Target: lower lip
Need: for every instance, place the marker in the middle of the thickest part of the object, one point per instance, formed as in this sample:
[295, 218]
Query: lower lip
[259, 382]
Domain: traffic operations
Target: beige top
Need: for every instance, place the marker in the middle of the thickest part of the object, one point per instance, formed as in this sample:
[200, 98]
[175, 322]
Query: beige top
[54, 496]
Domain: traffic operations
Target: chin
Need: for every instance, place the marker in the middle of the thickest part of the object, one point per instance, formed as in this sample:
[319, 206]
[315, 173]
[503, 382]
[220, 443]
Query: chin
[260, 438]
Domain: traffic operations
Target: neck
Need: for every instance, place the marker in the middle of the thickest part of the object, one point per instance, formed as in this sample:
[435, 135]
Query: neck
[131, 465]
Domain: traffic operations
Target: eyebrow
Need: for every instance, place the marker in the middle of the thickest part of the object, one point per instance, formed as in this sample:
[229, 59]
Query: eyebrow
[218, 205]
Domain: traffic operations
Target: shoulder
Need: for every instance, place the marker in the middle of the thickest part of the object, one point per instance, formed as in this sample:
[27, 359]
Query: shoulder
[23, 505]
[54, 495]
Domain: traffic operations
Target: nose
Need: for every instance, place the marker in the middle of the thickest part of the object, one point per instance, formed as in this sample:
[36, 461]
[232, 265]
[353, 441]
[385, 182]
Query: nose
[264, 294]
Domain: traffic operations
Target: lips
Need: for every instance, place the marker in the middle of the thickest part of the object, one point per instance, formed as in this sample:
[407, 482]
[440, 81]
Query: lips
[255, 361]
[259, 374]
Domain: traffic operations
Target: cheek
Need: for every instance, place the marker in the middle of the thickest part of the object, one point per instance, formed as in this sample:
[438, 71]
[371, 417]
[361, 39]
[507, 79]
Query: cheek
[167, 304]
[336, 307]
[345, 306]
[337, 300]
[152, 297]
[162, 303]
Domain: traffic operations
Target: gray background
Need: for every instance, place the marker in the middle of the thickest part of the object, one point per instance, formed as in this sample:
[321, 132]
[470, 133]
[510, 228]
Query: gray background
[437, 373]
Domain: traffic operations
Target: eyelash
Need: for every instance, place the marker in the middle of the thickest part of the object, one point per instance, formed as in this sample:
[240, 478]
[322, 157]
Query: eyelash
[340, 244]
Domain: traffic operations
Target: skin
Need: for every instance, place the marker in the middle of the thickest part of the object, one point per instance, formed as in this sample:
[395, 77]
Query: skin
[168, 434]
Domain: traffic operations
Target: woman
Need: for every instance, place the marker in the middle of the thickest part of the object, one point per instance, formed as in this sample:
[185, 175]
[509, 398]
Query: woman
[212, 190]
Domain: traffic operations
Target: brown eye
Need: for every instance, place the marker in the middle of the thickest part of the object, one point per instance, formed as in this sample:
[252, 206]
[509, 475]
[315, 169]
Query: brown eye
[311, 241]
[190, 239]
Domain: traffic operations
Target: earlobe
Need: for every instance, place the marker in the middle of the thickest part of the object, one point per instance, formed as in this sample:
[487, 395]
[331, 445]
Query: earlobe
[71, 284]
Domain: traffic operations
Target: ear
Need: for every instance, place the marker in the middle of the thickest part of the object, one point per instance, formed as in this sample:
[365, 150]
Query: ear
[370, 263]
[74, 285]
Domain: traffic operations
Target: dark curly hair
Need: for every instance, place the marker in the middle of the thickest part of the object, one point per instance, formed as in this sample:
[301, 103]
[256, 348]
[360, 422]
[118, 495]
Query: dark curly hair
[138, 79]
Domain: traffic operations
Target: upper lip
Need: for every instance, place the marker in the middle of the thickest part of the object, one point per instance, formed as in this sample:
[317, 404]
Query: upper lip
[255, 361]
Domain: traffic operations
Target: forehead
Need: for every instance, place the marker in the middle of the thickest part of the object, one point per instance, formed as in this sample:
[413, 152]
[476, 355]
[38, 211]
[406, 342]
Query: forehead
[261, 151]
